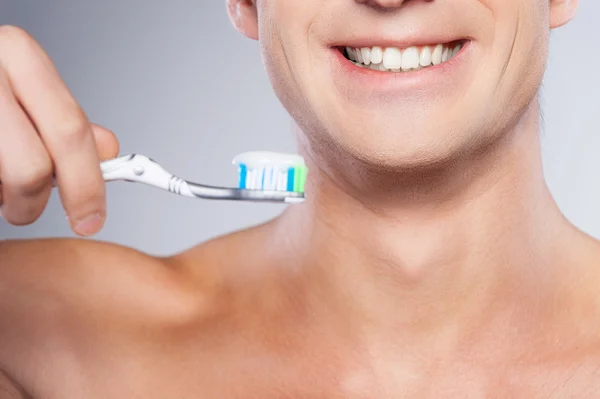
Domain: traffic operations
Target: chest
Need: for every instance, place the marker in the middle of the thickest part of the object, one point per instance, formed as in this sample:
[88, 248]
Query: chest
[266, 376]
[295, 365]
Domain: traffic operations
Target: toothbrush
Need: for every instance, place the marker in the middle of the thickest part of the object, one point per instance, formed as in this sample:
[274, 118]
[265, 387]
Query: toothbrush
[263, 177]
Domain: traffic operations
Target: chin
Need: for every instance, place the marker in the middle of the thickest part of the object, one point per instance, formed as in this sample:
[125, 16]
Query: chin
[378, 146]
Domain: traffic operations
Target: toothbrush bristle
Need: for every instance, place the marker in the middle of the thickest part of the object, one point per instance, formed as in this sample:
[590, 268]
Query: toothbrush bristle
[273, 178]
[269, 171]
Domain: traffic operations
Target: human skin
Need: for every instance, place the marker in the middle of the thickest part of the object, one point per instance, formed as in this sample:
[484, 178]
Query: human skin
[429, 260]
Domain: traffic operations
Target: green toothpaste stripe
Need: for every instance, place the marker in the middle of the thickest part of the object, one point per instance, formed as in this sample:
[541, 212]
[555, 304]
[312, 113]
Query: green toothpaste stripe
[300, 173]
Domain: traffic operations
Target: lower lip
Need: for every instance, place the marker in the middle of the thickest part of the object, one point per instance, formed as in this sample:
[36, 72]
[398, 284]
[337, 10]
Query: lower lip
[352, 77]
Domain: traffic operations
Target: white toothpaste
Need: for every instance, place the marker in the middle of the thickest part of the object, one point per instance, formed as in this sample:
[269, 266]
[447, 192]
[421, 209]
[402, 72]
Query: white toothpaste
[257, 159]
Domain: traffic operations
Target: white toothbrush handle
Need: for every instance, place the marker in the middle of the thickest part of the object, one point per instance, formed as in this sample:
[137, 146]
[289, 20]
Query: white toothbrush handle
[141, 169]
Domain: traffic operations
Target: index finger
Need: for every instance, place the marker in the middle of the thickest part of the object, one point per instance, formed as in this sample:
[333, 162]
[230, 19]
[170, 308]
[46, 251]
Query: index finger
[62, 125]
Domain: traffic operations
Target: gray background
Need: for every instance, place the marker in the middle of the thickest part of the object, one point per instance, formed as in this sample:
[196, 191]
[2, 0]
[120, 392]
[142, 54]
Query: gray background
[177, 83]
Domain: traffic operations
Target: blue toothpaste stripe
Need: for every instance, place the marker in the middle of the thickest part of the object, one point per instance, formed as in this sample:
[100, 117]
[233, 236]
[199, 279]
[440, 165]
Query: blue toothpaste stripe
[243, 176]
[290, 180]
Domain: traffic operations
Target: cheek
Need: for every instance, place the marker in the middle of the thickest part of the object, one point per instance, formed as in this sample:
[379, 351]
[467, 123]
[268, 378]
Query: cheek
[515, 49]
[272, 44]
[529, 51]
[282, 74]
[520, 29]
[285, 37]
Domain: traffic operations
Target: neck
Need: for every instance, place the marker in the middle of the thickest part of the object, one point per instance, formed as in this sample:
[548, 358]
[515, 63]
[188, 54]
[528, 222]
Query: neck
[437, 249]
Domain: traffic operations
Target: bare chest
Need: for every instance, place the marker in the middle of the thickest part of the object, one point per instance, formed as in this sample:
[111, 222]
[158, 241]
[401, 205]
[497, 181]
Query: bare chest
[322, 375]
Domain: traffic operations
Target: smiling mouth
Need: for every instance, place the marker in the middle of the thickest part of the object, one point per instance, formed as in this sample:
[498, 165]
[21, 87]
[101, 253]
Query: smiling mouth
[393, 59]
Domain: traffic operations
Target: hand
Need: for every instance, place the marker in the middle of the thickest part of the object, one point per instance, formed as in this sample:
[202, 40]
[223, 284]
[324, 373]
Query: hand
[45, 133]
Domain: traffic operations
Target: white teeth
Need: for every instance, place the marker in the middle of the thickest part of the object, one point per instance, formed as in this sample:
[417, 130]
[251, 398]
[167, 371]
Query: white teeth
[436, 56]
[425, 58]
[393, 59]
[410, 59]
[445, 55]
[376, 55]
[359, 57]
[366, 55]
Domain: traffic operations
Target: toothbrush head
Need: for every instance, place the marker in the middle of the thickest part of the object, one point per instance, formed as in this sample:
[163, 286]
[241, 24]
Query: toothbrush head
[271, 171]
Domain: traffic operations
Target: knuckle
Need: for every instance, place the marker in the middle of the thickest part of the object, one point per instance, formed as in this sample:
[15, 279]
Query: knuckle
[18, 51]
[30, 181]
[73, 129]
[11, 35]
[13, 31]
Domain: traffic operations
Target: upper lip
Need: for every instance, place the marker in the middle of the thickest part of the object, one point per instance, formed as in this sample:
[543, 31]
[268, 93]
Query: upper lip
[398, 42]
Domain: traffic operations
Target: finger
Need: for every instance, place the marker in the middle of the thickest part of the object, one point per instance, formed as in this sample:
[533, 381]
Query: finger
[63, 127]
[25, 166]
[106, 142]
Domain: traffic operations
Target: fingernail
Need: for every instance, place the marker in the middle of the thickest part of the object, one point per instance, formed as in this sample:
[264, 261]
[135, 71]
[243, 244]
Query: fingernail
[89, 225]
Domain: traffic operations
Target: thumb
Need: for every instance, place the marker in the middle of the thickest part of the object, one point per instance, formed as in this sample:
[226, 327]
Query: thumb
[107, 144]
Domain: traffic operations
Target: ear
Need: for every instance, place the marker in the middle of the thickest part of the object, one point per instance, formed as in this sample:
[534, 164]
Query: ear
[562, 11]
[244, 17]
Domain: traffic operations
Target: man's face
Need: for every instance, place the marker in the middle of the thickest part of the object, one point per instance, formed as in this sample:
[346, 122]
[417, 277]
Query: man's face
[444, 76]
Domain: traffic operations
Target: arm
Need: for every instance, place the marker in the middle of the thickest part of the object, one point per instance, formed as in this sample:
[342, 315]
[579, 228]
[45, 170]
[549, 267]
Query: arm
[64, 303]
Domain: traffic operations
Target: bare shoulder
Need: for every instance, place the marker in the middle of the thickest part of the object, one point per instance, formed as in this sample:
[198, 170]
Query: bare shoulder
[79, 305]
[60, 298]
[78, 274]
